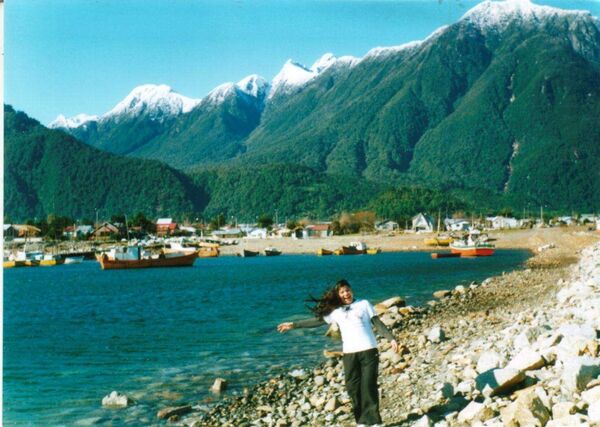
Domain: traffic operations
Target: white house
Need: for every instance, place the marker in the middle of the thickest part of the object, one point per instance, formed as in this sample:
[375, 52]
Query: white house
[500, 222]
[459, 224]
[387, 225]
[258, 233]
[423, 223]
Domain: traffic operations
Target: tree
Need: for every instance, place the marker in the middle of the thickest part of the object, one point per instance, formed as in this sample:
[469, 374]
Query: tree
[265, 221]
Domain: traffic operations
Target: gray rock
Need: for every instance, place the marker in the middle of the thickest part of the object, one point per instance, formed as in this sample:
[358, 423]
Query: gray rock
[496, 381]
[167, 413]
[475, 412]
[563, 409]
[526, 360]
[436, 334]
[219, 386]
[442, 294]
[579, 371]
[527, 410]
[489, 360]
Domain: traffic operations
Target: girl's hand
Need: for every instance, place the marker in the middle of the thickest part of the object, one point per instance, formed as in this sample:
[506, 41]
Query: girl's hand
[394, 346]
[286, 326]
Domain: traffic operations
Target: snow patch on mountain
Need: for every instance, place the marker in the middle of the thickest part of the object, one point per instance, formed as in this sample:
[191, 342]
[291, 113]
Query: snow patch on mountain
[62, 122]
[254, 85]
[500, 14]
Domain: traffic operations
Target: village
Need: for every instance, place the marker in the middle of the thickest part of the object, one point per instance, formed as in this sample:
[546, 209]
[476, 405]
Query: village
[303, 236]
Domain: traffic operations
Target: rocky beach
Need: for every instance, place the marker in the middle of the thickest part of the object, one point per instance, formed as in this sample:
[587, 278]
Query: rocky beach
[518, 349]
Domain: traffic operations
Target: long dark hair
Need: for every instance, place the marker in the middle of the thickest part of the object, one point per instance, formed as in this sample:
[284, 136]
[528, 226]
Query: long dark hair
[329, 301]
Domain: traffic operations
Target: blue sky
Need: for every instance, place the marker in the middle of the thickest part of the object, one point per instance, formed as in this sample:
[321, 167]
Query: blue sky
[75, 56]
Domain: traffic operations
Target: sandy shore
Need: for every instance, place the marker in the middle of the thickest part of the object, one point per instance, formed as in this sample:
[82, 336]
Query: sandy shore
[566, 239]
[428, 383]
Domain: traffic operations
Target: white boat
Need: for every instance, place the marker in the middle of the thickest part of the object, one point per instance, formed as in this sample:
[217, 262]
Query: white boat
[73, 259]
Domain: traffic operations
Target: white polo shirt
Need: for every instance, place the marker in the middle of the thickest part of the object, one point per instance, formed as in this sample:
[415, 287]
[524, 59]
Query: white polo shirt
[354, 321]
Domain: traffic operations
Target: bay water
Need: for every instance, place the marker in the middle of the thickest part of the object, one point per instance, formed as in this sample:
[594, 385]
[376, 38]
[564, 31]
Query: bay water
[74, 333]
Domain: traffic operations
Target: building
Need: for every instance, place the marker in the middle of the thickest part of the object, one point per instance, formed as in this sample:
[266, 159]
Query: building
[227, 233]
[165, 226]
[458, 224]
[387, 225]
[501, 222]
[258, 233]
[105, 231]
[422, 223]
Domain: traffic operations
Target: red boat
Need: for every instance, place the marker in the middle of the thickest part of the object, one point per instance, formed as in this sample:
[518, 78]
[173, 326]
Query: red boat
[471, 248]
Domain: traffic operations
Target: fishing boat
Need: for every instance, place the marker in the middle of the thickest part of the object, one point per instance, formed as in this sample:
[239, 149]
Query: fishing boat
[50, 260]
[208, 250]
[134, 257]
[355, 248]
[440, 240]
[247, 254]
[373, 251]
[470, 248]
[323, 252]
[271, 251]
[74, 259]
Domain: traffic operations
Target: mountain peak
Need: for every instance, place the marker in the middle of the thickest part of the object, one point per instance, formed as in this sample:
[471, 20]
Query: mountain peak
[62, 122]
[293, 75]
[499, 14]
[254, 85]
[156, 100]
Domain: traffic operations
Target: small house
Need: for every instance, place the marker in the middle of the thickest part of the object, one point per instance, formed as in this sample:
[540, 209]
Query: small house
[227, 233]
[501, 222]
[106, 230]
[314, 231]
[458, 224]
[258, 233]
[387, 225]
[165, 226]
[422, 223]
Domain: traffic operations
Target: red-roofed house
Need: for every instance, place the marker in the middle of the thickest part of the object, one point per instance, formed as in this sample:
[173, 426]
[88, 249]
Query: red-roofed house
[165, 226]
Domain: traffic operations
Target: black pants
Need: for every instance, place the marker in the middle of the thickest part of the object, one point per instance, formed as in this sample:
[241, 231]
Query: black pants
[360, 371]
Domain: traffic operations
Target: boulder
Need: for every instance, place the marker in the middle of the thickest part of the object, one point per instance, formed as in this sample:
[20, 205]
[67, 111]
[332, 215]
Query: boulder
[579, 371]
[526, 360]
[442, 294]
[527, 410]
[436, 334]
[576, 420]
[594, 413]
[331, 405]
[591, 396]
[115, 400]
[424, 421]
[319, 380]
[475, 412]
[496, 381]
[563, 409]
[167, 413]
[219, 385]
[489, 360]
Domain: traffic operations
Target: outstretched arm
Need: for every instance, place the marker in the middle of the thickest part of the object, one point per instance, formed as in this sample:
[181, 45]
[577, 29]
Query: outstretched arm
[384, 332]
[305, 323]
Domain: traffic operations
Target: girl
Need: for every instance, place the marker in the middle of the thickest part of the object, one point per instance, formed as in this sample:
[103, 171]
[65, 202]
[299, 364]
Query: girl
[361, 359]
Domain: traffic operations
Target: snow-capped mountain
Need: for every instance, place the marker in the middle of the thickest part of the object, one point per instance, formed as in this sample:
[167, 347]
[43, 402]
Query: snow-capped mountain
[294, 75]
[499, 15]
[72, 122]
[254, 87]
[157, 102]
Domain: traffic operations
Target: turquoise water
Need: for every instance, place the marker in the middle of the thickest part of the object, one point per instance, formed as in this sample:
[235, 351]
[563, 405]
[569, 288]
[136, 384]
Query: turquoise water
[74, 333]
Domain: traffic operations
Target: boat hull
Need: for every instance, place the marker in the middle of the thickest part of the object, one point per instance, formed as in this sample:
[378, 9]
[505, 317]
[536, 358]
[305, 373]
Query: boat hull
[349, 250]
[208, 252]
[114, 264]
[476, 251]
[51, 262]
[324, 252]
[247, 254]
[272, 252]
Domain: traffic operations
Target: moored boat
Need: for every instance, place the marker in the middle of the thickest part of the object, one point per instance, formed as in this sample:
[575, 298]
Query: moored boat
[247, 254]
[271, 251]
[51, 260]
[74, 259]
[208, 250]
[440, 240]
[436, 255]
[355, 248]
[470, 248]
[373, 251]
[134, 257]
[323, 252]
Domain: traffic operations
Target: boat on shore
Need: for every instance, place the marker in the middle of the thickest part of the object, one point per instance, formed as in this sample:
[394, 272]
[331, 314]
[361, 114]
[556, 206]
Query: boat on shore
[271, 251]
[324, 252]
[208, 250]
[134, 257]
[355, 248]
[373, 251]
[439, 240]
[247, 254]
